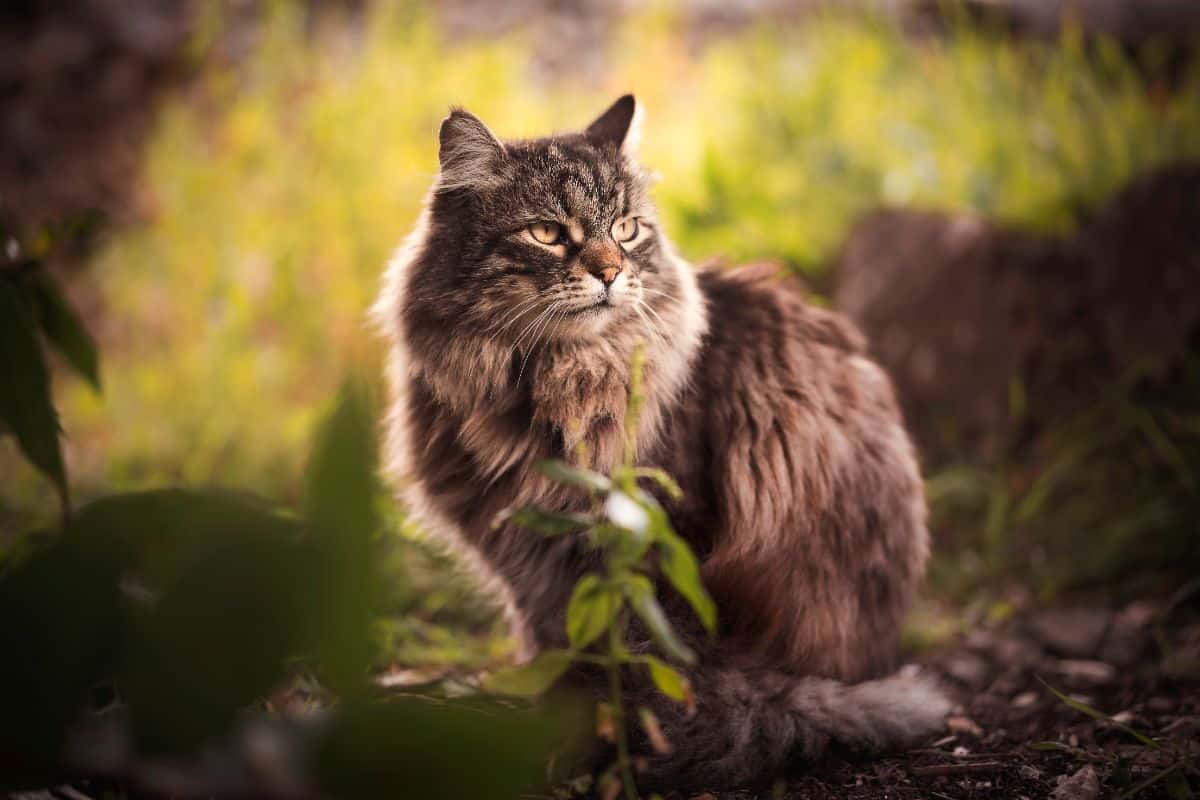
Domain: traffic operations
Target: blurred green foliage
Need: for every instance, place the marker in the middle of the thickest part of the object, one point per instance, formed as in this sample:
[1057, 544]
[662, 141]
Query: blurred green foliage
[192, 605]
[277, 189]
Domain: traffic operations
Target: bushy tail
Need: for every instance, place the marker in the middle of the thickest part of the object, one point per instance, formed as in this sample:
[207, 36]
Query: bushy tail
[748, 727]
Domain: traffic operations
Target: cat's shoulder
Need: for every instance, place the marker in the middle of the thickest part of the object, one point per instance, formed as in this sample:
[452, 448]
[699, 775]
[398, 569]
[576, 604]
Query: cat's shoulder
[748, 303]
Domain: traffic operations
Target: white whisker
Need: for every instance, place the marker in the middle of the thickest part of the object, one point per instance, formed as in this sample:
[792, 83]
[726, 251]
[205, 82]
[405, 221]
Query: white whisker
[533, 344]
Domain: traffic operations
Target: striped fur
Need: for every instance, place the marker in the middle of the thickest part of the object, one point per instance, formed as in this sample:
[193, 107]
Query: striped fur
[802, 493]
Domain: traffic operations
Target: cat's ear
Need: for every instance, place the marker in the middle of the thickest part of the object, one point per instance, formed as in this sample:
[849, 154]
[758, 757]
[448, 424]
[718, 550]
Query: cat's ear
[619, 125]
[469, 153]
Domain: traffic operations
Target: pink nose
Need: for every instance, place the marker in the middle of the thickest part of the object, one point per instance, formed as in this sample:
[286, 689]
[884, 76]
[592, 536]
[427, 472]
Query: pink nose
[608, 274]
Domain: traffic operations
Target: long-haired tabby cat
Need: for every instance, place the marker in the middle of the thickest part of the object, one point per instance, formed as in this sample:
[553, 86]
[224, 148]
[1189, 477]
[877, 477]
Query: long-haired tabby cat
[514, 309]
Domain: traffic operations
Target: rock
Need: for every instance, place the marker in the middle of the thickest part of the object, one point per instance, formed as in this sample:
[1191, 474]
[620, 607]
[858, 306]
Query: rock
[1025, 700]
[957, 309]
[1082, 671]
[964, 725]
[1070, 632]
[968, 668]
[1128, 636]
[1016, 651]
[1083, 785]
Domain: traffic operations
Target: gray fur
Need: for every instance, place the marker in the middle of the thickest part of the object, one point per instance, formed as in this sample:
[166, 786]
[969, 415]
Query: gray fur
[802, 495]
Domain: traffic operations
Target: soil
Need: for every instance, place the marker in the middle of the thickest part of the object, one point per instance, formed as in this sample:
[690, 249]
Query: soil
[1140, 664]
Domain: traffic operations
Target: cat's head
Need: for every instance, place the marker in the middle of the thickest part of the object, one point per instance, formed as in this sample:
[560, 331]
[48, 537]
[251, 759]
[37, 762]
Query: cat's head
[550, 237]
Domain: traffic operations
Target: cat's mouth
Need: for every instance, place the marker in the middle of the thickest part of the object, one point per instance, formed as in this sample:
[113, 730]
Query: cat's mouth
[598, 306]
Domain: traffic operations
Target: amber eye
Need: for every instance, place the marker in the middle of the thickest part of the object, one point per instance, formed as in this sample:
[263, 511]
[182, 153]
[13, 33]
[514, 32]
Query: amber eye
[626, 230]
[546, 232]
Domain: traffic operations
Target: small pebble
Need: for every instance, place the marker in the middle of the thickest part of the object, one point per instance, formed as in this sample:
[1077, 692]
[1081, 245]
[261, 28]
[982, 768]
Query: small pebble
[1083, 785]
[964, 725]
[1025, 700]
[1084, 671]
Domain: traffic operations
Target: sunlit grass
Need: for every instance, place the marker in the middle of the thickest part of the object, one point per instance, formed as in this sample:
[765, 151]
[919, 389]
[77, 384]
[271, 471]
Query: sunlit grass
[278, 191]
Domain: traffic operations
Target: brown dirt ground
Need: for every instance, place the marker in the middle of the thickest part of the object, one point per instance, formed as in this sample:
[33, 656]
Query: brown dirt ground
[1140, 664]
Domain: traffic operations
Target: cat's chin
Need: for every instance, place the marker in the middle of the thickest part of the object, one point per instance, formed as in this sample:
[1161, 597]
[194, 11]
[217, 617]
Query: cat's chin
[590, 320]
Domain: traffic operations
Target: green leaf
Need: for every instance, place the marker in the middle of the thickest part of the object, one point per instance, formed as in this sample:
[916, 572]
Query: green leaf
[593, 607]
[341, 508]
[662, 478]
[1066, 748]
[625, 512]
[565, 473]
[641, 596]
[64, 330]
[550, 523]
[1100, 715]
[1174, 790]
[668, 679]
[25, 404]
[683, 571]
[532, 679]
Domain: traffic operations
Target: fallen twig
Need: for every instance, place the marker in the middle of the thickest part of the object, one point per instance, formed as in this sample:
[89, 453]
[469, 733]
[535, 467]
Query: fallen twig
[969, 768]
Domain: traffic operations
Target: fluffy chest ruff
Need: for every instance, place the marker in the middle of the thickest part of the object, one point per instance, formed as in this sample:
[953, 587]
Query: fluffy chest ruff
[472, 416]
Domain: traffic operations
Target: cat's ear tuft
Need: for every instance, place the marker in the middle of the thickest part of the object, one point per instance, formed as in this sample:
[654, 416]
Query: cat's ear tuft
[468, 151]
[619, 125]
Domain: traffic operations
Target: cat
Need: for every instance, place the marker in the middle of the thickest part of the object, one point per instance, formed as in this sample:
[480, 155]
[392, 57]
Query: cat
[513, 310]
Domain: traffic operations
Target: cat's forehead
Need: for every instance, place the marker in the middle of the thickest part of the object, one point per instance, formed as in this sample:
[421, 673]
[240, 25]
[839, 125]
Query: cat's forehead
[580, 179]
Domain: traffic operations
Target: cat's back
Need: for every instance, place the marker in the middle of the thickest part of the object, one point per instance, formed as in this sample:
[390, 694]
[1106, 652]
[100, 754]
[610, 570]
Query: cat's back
[818, 520]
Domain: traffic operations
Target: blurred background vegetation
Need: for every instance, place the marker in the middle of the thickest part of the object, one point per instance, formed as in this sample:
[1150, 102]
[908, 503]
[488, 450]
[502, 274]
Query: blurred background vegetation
[228, 288]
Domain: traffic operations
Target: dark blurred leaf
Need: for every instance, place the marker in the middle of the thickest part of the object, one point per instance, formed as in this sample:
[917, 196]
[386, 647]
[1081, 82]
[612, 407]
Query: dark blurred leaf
[342, 513]
[593, 606]
[641, 596]
[1177, 786]
[565, 473]
[454, 750]
[64, 329]
[532, 679]
[683, 571]
[60, 627]
[550, 523]
[218, 593]
[25, 404]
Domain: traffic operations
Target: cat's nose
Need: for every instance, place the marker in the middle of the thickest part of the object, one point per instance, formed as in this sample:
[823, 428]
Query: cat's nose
[602, 259]
[608, 275]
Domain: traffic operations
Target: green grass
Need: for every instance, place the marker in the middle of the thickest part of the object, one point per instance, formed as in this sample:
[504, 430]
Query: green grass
[277, 192]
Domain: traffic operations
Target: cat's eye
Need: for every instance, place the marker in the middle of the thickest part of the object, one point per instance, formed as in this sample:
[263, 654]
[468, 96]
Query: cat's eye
[625, 230]
[546, 232]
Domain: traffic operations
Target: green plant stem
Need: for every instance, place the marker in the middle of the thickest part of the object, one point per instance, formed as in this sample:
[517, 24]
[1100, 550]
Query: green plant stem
[614, 682]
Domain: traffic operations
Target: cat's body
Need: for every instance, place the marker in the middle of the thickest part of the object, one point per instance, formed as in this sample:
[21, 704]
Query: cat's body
[515, 308]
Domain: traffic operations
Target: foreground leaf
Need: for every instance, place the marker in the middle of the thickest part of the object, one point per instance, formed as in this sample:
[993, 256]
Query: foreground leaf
[668, 679]
[683, 571]
[65, 331]
[341, 505]
[641, 597]
[549, 523]
[532, 679]
[565, 473]
[25, 404]
[593, 607]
